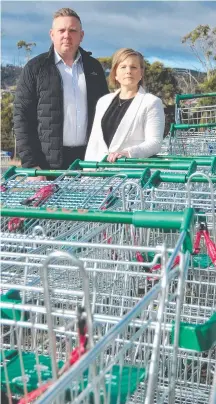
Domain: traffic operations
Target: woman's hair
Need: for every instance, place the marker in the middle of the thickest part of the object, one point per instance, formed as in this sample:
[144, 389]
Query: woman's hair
[119, 57]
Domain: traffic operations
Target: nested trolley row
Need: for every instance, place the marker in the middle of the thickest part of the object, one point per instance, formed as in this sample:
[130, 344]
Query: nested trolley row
[132, 352]
[146, 321]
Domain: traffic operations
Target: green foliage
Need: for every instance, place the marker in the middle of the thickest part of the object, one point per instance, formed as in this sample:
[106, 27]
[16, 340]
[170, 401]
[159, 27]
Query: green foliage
[106, 62]
[208, 86]
[27, 46]
[7, 138]
[202, 42]
[161, 81]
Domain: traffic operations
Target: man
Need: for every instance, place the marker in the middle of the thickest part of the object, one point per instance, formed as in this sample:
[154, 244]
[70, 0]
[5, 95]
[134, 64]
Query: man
[56, 97]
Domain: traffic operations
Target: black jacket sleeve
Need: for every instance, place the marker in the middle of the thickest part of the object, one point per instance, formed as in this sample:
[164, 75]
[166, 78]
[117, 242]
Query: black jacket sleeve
[25, 118]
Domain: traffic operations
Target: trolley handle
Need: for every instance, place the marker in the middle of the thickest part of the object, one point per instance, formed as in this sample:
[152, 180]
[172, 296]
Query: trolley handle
[41, 195]
[3, 188]
[210, 245]
[180, 97]
[147, 219]
[197, 242]
[16, 223]
[174, 165]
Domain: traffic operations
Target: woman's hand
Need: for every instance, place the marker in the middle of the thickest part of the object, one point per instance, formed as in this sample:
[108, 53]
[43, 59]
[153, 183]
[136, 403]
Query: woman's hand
[112, 157]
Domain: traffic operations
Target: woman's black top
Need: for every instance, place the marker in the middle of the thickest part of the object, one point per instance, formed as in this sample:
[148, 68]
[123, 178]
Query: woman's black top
[113, 117]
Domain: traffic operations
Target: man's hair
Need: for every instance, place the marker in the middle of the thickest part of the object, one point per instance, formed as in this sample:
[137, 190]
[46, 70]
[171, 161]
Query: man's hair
[66, 12]
[119, 57]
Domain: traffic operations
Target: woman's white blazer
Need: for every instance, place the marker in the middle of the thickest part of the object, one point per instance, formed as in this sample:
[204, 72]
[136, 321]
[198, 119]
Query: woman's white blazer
[140, 131]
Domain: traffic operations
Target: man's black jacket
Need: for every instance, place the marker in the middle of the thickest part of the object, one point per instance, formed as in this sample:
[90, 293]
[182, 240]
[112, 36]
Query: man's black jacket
[38, 108]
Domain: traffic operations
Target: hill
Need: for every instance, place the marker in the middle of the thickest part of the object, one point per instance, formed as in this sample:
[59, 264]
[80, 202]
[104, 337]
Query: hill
[9, 76]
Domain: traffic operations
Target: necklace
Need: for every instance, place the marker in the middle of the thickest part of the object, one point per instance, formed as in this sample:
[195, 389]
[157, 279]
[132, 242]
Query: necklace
[123, 102]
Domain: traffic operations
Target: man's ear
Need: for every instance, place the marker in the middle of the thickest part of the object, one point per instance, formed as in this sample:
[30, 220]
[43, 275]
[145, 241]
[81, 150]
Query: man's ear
[82, 35]
[51, 34]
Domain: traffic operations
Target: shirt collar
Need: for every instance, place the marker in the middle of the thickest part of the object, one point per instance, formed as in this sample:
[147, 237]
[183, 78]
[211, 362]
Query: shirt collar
[58, 58]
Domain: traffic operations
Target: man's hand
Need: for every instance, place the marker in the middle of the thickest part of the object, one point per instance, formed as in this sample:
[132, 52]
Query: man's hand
[39, 177]
[112, 157]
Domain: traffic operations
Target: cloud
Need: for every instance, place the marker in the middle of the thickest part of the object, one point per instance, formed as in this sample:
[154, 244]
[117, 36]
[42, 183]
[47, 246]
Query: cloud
[176, 62]
[154, 28]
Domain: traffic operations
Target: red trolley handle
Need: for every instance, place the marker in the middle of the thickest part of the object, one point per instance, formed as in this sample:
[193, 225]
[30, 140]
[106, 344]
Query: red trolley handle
[15, 223]
[211, 247]
[41, 195]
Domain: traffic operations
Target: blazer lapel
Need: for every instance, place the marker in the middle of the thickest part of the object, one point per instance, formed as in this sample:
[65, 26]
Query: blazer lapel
[127, 120]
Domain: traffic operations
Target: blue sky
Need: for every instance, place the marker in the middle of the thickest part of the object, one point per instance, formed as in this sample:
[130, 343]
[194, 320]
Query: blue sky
[154, 28]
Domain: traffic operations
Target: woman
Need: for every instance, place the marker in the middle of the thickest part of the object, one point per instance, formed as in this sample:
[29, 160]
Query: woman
[129, 122]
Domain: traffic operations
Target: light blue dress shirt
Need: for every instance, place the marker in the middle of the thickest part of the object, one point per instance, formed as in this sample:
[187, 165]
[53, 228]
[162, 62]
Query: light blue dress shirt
[75, 101]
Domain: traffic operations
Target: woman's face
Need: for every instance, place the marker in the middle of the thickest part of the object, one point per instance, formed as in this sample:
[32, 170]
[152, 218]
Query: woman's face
[129, 72]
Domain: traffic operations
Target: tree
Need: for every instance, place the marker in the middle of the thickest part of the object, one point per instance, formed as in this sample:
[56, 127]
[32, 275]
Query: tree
[188, 82]
[106, 63]
[7, 137]
[161, 81]
[202, 42]
[10, 76]
[208, 86]
[27, 46]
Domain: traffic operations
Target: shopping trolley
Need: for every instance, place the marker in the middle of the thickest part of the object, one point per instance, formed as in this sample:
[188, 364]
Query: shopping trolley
[125, 362]
[213, 392]
[100, 189]
[125, 358]
[205, 164]
[194, 368]
[190, 140]
[5, 161]
[168, 190]
[151, 238]
[188, 110]
[88, 231]
[174, 192]
[103, 189]
[71, 189]
[187, 167]
[61, 301]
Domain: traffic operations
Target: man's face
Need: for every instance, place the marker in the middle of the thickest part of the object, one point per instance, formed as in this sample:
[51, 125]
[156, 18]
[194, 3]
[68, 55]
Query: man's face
[66, 35]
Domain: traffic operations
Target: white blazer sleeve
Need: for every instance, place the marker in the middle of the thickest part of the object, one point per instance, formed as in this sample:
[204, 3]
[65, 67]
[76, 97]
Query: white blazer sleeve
[153, 132]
